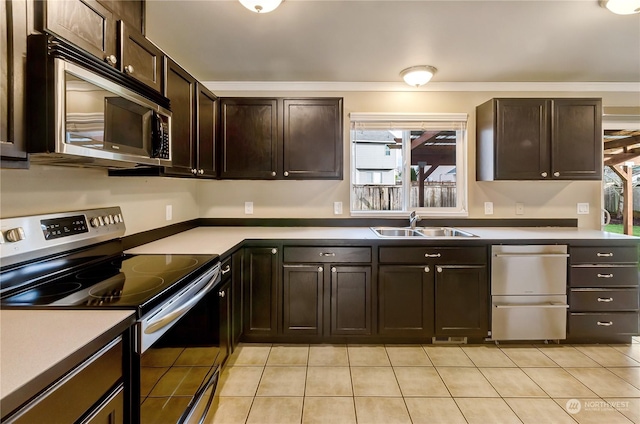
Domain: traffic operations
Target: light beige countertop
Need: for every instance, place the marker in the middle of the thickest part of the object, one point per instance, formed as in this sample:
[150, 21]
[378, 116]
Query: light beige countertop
[34, 343]
[219, 240]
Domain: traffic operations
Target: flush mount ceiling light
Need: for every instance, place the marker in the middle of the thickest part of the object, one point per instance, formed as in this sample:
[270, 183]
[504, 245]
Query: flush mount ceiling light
[261, 6]
[418, 75]
[622, 7]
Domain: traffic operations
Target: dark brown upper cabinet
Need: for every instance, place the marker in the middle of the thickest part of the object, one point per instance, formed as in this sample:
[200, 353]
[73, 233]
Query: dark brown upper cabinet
[107, 29]
[13, 52]
[180, 89]
[193, 124]
[539, 139]
[139, 57]
[276, 138]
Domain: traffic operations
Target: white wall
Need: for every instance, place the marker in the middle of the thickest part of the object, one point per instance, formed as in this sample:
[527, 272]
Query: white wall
[48, 189]
[44, 189]
[543, 199]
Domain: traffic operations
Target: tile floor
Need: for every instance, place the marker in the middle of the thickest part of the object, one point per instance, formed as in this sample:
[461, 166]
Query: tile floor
[430, 384]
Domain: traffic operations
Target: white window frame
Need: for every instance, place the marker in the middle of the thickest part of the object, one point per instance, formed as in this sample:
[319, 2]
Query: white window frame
[416, 121]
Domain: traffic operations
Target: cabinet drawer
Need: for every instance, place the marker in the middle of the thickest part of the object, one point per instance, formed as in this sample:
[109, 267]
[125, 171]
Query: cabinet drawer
[85, 385]
[603, 324]
[327, 254]
[441, 255]
[603, 300]
[603, 255]
[603, 276]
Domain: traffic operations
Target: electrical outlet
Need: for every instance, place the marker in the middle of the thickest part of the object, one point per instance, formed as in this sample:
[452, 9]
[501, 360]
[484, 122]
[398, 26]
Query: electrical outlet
[519, 208]
[583, 209]
[488, 208]
[248, 208]
[337, 208]
[168, 212]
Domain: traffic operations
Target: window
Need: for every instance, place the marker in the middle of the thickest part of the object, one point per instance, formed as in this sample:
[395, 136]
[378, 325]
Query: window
[406, 162]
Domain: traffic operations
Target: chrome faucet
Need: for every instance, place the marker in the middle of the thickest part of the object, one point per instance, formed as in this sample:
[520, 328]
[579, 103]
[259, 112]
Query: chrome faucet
[413, 218]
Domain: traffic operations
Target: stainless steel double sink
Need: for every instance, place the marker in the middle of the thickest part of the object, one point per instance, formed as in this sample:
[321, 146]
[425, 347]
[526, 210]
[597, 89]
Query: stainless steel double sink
[419, 232]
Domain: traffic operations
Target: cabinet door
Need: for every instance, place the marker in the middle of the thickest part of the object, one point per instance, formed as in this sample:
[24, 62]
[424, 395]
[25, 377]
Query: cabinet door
[206, 152]
[237, 302]
[577, 139]
[130, 11]
[461, 301]
[302, 291]
[140, 58]
[312, 138]
[85, 23]
[351, 301]
[13, 53]
[179, 89]
[225, 297]
[260, 272]
[522, 139]
[405, 300]
[249, 138]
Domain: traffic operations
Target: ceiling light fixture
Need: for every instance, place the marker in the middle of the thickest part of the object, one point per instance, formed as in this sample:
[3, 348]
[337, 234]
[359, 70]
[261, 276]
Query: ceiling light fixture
[261, 6]
[622, 7]
[418, 75]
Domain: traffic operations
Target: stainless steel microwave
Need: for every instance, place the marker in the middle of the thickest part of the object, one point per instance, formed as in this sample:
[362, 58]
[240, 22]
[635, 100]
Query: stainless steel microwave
[81, 117]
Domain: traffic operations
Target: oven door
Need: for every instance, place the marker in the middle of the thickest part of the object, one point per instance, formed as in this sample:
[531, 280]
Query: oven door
[181, 359]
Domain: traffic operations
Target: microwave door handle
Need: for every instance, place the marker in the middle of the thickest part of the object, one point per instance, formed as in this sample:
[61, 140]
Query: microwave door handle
[164, 320]
[156, 134]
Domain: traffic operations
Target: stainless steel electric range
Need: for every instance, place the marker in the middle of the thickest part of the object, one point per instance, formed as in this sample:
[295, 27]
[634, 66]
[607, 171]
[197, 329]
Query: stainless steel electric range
[75, 260]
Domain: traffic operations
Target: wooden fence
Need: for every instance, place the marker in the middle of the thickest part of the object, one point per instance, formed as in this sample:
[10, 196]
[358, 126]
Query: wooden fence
[389, 197]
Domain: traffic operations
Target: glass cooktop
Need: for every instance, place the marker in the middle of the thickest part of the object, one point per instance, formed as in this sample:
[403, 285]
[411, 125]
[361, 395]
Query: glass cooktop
[125, 282]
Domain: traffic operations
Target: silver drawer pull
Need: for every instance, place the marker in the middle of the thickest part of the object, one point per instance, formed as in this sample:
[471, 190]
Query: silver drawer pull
[605, 275]
[605, 299]
[605, 324]
[327, 254]
[432, 255]
[427, 269]
[274, 251]
[604, 255]
[226, 269]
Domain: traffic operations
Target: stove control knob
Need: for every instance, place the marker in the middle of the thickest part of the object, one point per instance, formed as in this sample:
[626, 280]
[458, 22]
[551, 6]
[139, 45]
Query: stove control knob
[95, 222]
[110, 219]
[120, 217]
[15, 234]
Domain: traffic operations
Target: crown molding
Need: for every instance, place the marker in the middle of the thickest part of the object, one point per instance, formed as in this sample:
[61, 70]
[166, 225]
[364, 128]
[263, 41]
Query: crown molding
[432, 86]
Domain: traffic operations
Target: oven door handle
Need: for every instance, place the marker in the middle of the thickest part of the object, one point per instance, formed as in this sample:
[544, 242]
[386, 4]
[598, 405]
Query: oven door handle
[164, 320]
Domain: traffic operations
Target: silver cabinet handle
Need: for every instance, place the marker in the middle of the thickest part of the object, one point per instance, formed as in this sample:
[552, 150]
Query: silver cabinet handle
[221, 294]
[286, 174]
[274, 251]
[327, 254]
[194, 171]
[432, 255]
[111, 59]
[605, 324]
[333, 269]
[128, 69]
[201, 171]
[605, 299]
[226, 269]
[605, 275]
[273, 173]
[604, 255]
[556, 174]
[427, 269]
[544, 175]
[320, 269]
[439, 268]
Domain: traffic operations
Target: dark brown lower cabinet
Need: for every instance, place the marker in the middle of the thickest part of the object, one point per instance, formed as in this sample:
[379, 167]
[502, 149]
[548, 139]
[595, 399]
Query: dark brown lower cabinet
[461, 300]
[302, 299]
[405, 300]
[260, 271]
[324, 300]
[351, 303]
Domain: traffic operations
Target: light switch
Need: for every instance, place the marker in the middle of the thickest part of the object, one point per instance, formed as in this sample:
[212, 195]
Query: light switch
[488, 208]
[337, 208]
[248, 208]
[519, 208]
